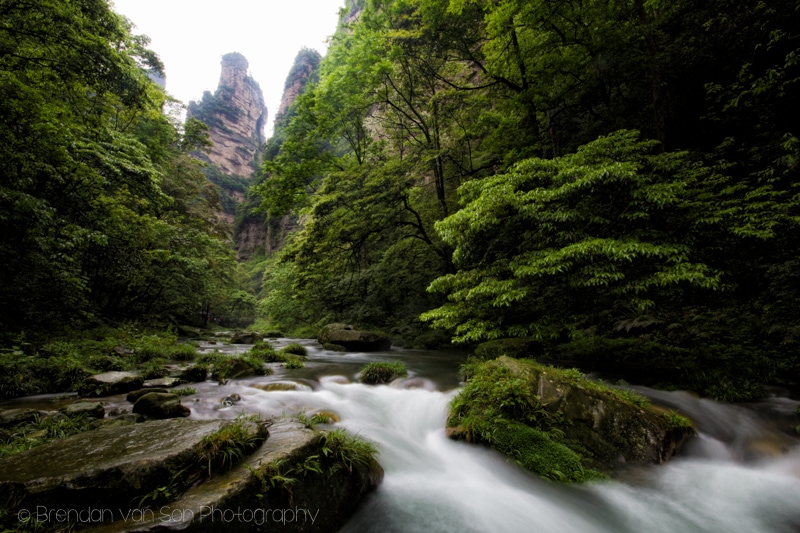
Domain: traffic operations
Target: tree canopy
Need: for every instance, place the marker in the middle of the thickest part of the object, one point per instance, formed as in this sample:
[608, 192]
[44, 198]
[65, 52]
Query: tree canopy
[102, 212]
[611, 179]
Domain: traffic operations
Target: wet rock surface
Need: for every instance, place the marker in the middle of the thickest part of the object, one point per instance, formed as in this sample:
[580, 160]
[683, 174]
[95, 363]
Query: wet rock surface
[160, 405]
[111, 383]
[109, 466]
[242, 498]
[89, 409]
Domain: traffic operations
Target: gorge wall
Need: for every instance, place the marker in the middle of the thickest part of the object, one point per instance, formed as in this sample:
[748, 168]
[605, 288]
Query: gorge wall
[303, 71]
[236, 115]
[255, 231]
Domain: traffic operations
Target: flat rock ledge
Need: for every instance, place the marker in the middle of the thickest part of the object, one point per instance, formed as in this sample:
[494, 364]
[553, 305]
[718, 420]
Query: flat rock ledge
[104, 474]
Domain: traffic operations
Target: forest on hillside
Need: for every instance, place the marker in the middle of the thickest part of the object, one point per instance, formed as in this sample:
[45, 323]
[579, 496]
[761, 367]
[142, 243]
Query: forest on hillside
[609, 182]
[602, 182]
[104, 216]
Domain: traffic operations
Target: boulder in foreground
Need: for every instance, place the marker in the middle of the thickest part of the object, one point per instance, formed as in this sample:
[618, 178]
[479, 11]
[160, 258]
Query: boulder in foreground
[558, 424]
[172, 475]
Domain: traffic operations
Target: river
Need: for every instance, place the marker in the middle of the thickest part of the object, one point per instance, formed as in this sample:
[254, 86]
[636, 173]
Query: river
[740, 474]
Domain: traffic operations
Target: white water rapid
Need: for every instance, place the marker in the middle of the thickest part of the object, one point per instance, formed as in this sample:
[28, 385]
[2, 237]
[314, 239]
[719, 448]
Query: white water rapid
[434, 484]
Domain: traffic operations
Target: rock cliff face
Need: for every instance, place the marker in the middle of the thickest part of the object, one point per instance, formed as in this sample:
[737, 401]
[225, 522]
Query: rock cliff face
[236, 116]
[255, 230]
[303, 71]
[352, 11]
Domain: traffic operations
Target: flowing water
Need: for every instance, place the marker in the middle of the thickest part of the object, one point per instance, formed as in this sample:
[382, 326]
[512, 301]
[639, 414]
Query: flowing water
[740, 474]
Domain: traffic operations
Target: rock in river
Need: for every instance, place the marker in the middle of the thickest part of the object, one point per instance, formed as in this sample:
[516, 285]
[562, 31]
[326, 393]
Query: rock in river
[110, 383]
[160, 405]
[352, 339]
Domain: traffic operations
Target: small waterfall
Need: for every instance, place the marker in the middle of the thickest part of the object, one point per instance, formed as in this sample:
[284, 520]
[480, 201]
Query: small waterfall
[741, 473]
[435, 484]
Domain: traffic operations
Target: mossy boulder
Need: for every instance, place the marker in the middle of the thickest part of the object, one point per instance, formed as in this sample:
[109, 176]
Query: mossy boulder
[560, 425]
[160, 405]
[190, 373]
[245, 337]
[136, 394]
[352, 339]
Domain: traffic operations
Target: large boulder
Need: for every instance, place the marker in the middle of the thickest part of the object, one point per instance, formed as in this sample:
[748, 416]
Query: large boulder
[189, 373]
[237, 500]
[110, 467]
[111, 383]
[136, 394]
[245, 337]
[160, 405]
[559, 424]
[352, 339]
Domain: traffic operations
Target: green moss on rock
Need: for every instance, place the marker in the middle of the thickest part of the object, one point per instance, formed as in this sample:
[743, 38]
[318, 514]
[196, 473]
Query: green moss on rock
[558, 424]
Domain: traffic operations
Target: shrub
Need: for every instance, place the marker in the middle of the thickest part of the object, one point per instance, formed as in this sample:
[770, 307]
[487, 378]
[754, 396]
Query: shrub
[184, 352]
[293, 362]
[378, 373]
[295, 348]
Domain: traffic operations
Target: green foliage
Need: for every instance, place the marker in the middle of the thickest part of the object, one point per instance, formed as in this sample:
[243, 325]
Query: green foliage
[263, 351]
[679, 421]
[348, 451]
[295, 348]
[184, 391]
[382, 372]
[571, 230]
[43, 429]
[154, 368]
[104, 214]
[222, 366]
[166, 492]
[535, 450]
[552, 242]
[294, 362]
[183, 352]
[266, 353]
[313, 420]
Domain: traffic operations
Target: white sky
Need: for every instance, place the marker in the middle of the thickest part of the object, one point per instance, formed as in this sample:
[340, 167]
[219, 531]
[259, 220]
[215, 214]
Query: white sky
[191, 37]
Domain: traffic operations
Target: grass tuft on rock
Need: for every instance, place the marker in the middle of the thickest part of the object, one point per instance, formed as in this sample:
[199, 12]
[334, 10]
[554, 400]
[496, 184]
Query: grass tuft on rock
[227, 446]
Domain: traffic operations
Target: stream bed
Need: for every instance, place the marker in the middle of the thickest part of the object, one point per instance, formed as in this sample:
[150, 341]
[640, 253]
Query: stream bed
[740, 474]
